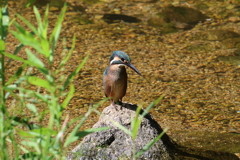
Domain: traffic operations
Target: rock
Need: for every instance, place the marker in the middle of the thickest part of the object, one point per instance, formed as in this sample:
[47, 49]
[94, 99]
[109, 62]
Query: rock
[176, 17]
[115, 143]
[184, 15]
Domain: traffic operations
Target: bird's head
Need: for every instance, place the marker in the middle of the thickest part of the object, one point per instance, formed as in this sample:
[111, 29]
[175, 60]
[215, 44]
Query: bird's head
[122, 59]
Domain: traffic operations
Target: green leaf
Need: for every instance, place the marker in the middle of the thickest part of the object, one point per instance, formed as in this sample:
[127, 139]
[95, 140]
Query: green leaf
[33, 59]
[56, 31]
[20, 146]
[40, 132]
[45, 98]
[28, 24]
[91, 130]
[136, 121]
[11, 92]
[17, 74]
[45, 23]
[11, 87]
[41, 68]
[45, 47]
[75, 120]
[39, 21]
[29, 3]
[32, 108]
[24, 133]
[71, 76]
[64, 61]
[121, 127]
[27, 38]
[2, 45]
[45, 131]
[69, 96]
[39, 82]
[82, 134]
[17, 49]
[42, 31]
[33, 144]
[151, 105]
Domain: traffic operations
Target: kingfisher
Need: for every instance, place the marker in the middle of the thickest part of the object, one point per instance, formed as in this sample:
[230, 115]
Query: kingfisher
[115, 77]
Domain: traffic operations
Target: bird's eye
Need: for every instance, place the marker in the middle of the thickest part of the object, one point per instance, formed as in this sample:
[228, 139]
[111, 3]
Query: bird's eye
[122, 59]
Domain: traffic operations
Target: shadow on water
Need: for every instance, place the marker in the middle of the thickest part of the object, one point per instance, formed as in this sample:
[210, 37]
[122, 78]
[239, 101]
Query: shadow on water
[112, 18]
[194, 154]
[200, 145]
[207, 145]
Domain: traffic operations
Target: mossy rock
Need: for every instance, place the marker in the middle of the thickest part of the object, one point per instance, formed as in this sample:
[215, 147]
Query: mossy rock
[157, 22]
[161, 21]
[184, 15]
[181, 17]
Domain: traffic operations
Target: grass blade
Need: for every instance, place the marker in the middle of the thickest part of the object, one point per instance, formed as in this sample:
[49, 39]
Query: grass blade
[145, 148]
[136, 121]
[69, 96]
[70, 77]
[39, 21]
[18, 48]
[88, 131]
[17, 74]
[45, 22]
[29, 3]
[27, 38]
[152, 104]
[64, 61]
[29, 25]
[33, 59]
[117, 124]
[56, 31]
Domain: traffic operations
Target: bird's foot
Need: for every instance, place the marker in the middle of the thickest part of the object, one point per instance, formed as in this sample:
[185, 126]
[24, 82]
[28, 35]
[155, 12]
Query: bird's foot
[121, 104]
[115, 105]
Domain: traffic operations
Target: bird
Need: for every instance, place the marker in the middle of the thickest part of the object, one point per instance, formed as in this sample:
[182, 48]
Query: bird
[115, 77]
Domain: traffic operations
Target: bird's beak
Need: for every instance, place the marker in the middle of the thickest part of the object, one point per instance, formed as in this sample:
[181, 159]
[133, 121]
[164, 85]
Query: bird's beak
[133, 68]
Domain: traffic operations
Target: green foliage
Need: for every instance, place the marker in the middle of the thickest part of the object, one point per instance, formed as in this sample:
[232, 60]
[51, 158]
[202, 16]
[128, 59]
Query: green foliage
[37, 142]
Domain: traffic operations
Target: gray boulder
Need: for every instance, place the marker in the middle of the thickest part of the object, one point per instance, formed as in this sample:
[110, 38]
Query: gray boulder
[116, 144]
